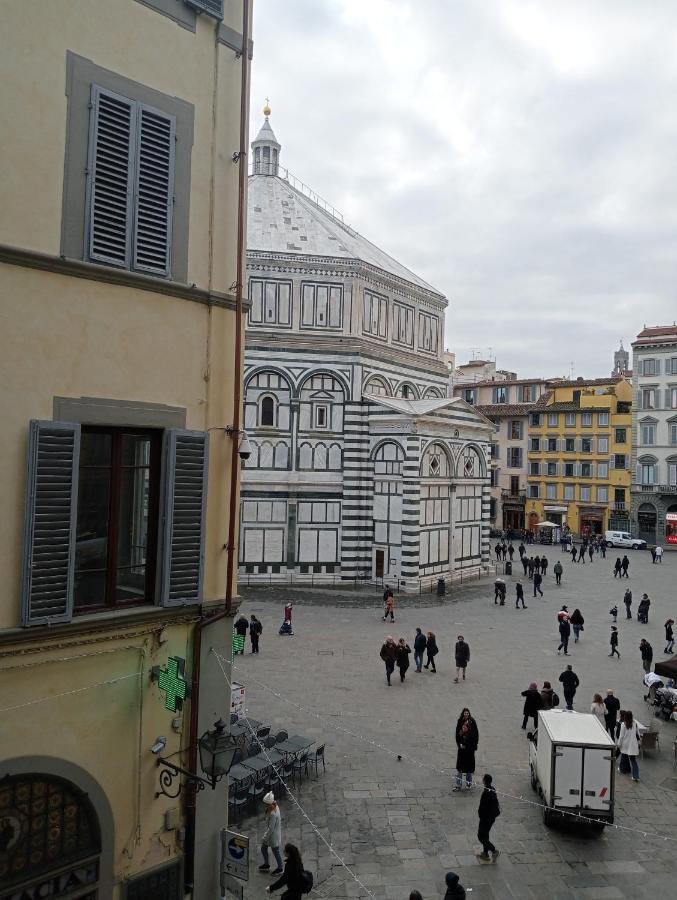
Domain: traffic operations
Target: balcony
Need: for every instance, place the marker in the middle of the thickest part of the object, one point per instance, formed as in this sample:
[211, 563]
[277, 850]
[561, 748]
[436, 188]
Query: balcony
[620, 507]
[654, 488]
[514, 496]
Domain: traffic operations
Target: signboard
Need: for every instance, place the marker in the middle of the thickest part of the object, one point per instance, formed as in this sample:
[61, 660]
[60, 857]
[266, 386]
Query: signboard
[173, 682]
[231, 888]
[671, 528]
[234, 854]
[237, 699]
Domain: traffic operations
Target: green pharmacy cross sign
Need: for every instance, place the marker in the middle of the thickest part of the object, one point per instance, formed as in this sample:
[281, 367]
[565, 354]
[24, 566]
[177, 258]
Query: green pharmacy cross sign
[173, 682]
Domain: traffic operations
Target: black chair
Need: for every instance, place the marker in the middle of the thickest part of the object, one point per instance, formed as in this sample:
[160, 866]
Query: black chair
[300, 765]
[233, 718]
[263, 731]
[281, 736]
[238, 800]
[286, 770]
[269, 742]
[252, 749]
[315, 758]
[237, 756]
[259, 788]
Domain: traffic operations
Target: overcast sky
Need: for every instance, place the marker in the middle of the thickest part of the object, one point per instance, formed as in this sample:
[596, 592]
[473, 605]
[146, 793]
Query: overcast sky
[520, 155]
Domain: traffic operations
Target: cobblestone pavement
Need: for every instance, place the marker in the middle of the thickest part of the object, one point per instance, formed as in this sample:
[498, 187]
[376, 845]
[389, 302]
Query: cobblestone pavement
[396, 823]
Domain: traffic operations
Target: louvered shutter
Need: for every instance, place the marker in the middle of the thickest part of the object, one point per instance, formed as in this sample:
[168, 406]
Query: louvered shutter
[668, 397]
[155, 151]
[50, 519]
[110, 178]
[638, 474]
[612, 462]
[184, 510]
[639, 400]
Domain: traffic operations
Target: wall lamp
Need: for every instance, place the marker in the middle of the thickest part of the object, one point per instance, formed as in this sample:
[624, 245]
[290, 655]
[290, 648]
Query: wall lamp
[218, 751]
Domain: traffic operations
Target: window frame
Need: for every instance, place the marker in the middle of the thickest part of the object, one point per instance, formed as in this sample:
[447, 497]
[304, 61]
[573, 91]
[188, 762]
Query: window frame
[321, 408]
[586, 420]
[624, 432]
[603, 419]
[570, 420]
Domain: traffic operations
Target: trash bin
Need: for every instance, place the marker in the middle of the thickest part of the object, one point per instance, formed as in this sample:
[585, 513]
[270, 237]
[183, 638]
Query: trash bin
[441, 587]
[508, 567]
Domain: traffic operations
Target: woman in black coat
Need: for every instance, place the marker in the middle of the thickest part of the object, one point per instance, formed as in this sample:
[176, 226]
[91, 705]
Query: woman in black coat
[532, 704]
[292, 878]
[467, 739]
[402, 657]
[432, 651]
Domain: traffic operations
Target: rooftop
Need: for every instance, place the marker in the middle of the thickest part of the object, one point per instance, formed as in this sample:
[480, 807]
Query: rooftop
[661, 333]
[506, 409]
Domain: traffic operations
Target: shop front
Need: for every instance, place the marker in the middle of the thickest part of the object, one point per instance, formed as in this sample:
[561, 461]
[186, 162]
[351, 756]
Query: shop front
[671, 525]
[647, 519]
[556, 514]
[591, 520]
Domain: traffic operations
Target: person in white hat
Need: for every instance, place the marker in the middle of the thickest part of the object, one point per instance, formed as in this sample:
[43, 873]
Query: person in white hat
[272, 836]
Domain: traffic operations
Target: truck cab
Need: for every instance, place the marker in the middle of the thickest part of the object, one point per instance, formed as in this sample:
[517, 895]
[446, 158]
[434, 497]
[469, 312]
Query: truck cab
[572, 763]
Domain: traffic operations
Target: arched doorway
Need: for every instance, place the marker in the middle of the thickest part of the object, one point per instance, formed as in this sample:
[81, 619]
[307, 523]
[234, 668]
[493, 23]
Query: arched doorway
[646, 522]
[671, 524]
[50, 840]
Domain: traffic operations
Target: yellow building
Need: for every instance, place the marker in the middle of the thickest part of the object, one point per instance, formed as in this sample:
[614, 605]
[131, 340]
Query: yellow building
[121, 268]
[578, 455]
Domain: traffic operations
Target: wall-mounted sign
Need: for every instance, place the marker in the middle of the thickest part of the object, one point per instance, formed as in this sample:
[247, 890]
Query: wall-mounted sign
[173, 682]
[234, 854]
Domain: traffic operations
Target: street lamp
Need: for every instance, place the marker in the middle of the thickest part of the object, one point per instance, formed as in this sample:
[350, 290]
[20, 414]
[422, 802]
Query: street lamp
[217, 754]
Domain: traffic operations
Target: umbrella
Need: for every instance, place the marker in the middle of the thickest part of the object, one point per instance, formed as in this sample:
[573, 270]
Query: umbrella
[547, 525]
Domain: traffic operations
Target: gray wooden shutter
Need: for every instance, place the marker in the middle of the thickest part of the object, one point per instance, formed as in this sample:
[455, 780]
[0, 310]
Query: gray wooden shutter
[110, 178]
[50, 519]
[184, 511]
[155, 152]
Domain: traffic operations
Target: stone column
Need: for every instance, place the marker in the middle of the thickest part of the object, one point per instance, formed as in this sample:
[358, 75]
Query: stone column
[411, 507]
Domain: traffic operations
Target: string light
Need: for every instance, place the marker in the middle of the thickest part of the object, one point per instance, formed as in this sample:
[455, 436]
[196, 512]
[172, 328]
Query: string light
[87, 687]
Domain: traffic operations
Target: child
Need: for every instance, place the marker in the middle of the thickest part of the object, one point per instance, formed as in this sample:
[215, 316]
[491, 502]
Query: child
[614, 642]
[614, 612]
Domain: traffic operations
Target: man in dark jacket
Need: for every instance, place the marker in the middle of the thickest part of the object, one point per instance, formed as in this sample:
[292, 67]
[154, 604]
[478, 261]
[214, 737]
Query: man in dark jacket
[558, 569]
[525, 563]
[420, 643]
[538, 580]
[388, 655]
[519, 591]
[455, 890]
[646, 650]
[255, 631]
[570, 682]
[462, 656]
[241, 627]
[613, 705]
[544, 565]
[627, 599]
[625, 565]
[564, 632]
[521, 550]
[488, 812]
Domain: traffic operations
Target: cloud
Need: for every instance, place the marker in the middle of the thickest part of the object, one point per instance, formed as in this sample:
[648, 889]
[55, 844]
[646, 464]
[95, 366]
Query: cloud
[517, 154]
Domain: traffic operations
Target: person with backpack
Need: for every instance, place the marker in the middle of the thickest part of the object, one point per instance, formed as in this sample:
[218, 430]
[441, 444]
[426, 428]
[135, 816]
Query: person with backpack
[488, 811]
[549, 699]
[558, 569]
[295, 878]
[255, 632]
[241, 627]
[431, 650]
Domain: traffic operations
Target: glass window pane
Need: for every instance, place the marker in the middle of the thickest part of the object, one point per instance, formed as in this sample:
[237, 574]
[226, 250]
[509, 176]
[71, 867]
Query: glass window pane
[95, 449]
[91, 546]
[135, 450]
[133, 524]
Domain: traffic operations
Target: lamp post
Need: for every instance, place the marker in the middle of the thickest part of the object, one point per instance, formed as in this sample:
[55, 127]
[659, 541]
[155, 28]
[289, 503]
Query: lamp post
[217, 754]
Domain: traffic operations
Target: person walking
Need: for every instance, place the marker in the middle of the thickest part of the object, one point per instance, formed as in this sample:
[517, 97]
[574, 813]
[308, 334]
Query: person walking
[497, 550]
[389, 655]
[519, 595]
[544, 566]
[597, 708]
[272, 836]
[646, 651]
[602, 548]
[402, 657]
[455, 890]
[618, 566]
[591, 552]
[521, 549]
[625, 565]
[389, 605]
[669, 636]
[488, 811]
[653, 554]
[558, 570]
[643, 609]
[532, 704]
[570, 682]
[613, 641]
[504, 550]
[537, 563]
[573, 552]
[293, 877]
[525, 563]
[577, 622]
[499, 591]
[420, 643]
[627, 599]
[549, 699]
[532, 567]
[511, 551]
[255, 632]
[564, 633]
[613, 612]
[659, 554]
[612, 705]
[462, 656]
[431, 650]
[467, 739]
[628, 743]
[538, 580]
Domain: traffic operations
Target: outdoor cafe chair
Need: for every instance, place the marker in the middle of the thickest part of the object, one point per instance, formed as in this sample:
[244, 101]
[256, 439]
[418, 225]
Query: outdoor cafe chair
[300, 765]
[238, 800]
[269, 742]
[281, 736]
[315, 758]
[259, 788]
[262, 731]
[649, 741]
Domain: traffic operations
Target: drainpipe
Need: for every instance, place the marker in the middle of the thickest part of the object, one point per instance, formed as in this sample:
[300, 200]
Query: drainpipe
[189, 861]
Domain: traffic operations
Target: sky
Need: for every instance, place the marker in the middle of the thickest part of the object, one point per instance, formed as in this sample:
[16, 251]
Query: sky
[519, 155]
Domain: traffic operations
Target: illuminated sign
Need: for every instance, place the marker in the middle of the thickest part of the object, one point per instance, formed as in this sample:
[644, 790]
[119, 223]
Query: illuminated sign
[173, 682]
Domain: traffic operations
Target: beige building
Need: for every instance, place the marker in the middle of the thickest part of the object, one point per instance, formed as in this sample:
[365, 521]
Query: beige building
[121, 253]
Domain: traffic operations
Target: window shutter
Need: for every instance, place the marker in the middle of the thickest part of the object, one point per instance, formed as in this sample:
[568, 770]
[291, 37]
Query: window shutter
[155, 191]
[110, 178]
[184, 511]
[50, 518]
[639, 400]
[612, 461]
[668, 398]
[638, 474]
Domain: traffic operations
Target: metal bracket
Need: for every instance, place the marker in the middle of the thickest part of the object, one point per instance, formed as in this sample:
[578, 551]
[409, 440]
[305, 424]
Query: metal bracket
[171, 772]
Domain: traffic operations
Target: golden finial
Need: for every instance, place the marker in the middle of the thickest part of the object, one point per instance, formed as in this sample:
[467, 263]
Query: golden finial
[266, 109]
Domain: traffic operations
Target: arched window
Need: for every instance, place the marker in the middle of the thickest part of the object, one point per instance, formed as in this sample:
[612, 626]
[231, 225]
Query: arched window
[377, 387]
[407, 391]
[435, 462]
[267, 417]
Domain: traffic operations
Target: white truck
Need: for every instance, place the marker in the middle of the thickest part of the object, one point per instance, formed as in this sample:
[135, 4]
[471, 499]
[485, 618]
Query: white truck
[572, 762]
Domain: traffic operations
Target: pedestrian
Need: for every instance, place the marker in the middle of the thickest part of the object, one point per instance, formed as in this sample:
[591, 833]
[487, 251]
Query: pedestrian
[488, 811]
[431, 651]
[521, 549]
[598, 708]
[628, 743]
[659, 554]
[532, 704]
[519, 594]
[272, 836]
[564, 634]
[627, 599]
[625, 565]
[612, 705]
[613, 641]
[618, 565]
[532, 566]
[549, 699]
[558, 569]
[613, 612]
[241, 626]
[462, 657]
[511, 551]
[525, 563]
[573, 553]
[255, 632]
[504, 550]
[669, 636]
[402, 657]
[570, 682]
[497, 550]
[389, 655]
[653, 554]
[646, 651]
[467, 739]
[455, 890]
[544, 566]
[538, 580]
[293, 878]
[389, 605]
[537, 563]
[420, 643]
[499, 591]
[602, 547]
[577, 622]
[643, 609]
[581, 551]
[591, 551]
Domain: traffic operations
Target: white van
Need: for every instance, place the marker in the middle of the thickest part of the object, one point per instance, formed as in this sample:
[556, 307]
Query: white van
[623, 539]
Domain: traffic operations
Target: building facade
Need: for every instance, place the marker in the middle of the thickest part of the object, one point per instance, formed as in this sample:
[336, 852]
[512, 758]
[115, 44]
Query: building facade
[654, 428]
[579, 456]
[119, 374]
[507, 402]
[361, 465]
